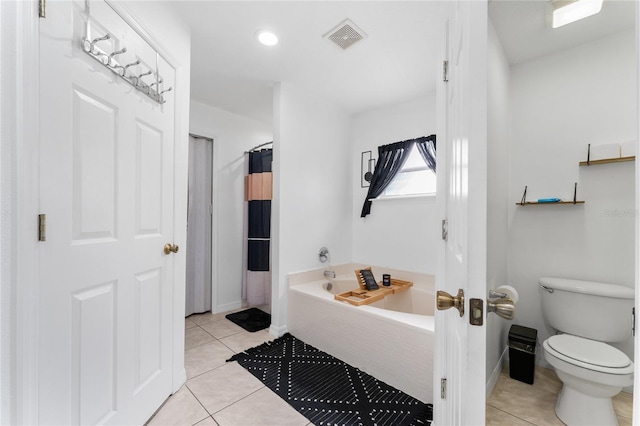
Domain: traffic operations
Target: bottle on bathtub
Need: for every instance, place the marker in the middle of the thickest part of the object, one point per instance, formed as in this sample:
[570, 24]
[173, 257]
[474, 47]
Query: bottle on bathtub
[386, 280]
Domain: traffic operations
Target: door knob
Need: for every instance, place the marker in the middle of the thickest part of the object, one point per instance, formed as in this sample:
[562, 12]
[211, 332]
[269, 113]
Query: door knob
[503, 307]
[171, 248]
[446, 301]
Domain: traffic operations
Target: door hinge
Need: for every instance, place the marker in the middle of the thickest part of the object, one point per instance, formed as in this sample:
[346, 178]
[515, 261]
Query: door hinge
[42, 8]
[445, 71]
[445, 231]
[443, 388]
[42, 227]
[633, 321]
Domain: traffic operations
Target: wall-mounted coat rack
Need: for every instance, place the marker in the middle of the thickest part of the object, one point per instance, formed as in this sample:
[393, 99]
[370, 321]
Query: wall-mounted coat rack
[152, 89]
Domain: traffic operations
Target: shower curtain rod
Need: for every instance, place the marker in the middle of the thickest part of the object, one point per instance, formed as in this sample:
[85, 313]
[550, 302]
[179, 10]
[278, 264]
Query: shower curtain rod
[258, 146]
[193, 135]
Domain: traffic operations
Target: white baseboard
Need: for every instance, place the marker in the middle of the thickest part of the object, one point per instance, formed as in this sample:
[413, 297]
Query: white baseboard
[278, 331]
[495, 374]
[228, 307]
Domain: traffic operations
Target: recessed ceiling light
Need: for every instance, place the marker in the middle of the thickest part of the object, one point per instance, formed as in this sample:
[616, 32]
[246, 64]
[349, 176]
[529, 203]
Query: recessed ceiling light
[564, 12]
[266, 37]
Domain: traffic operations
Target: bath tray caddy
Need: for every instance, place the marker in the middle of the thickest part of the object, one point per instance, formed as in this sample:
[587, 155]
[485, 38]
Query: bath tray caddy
[362, 296]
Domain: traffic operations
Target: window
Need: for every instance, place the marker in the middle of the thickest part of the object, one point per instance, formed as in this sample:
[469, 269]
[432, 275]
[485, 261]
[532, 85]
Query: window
[414, 178]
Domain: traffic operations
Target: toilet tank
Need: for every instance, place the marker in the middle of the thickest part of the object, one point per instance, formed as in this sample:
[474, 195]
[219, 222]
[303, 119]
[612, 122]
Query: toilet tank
[593, 310]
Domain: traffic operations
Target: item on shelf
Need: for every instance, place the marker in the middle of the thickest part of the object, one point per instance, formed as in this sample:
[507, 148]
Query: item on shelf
[366, 279]
[549, 200]
[603, 152]
[386, 280]
[628, 149]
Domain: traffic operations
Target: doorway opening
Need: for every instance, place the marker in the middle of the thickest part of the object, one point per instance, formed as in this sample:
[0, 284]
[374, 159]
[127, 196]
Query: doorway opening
[199, 226]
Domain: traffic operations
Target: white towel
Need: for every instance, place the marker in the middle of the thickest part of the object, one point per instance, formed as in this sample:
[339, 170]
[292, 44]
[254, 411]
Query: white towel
[606, 151]
[628, 149]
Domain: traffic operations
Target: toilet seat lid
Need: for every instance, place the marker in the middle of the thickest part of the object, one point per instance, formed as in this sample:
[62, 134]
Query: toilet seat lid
[589, 351]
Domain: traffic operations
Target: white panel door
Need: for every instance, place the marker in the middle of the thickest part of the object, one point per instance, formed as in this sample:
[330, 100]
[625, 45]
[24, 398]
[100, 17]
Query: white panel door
[106, 176]
[460, 347]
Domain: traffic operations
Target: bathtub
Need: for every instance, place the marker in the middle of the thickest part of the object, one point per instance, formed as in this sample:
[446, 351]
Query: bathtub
[391, 339]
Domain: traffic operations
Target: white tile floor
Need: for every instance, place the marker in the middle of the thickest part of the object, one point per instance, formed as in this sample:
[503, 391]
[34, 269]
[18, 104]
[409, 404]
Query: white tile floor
[219, 392]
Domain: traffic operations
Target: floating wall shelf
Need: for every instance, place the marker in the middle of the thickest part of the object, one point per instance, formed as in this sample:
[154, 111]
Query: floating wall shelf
[524, 201]
[607, 160]
[530, 203]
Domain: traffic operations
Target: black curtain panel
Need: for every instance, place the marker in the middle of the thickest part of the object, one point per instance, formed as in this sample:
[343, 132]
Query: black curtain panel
[427, 148]
[259, 212]
[260, 219]
[260, 161]
[391, 158]
[258, 256]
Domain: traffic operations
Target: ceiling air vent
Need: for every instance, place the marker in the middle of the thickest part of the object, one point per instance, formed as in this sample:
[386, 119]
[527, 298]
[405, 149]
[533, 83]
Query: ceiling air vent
[345, 34]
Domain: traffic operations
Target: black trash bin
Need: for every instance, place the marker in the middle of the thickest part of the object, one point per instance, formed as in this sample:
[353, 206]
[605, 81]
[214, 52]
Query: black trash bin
[522, 353]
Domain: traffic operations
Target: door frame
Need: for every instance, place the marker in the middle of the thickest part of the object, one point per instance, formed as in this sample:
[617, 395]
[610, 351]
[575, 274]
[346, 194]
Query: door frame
[20, 198]
[20, 194]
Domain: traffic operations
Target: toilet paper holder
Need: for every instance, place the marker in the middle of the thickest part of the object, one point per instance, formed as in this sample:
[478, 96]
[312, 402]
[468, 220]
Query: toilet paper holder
[493, 294]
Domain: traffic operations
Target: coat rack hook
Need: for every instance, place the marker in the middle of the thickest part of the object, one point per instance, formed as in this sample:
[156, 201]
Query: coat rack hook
[156, 83]
[118, 52]
[145, 74]
[131, 64]
[93, 42]
[166, 90]
[108, 59]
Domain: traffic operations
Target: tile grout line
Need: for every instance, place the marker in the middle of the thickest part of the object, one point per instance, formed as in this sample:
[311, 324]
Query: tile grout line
[203, 407]
[511, 414]
[243, 398]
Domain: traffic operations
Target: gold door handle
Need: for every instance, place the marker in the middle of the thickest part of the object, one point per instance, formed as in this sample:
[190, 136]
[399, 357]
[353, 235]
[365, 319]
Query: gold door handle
[446, 301]
[504, 307]
[171, 248]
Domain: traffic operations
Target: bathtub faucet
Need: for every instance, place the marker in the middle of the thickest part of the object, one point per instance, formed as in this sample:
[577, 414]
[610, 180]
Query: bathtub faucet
[330, 274]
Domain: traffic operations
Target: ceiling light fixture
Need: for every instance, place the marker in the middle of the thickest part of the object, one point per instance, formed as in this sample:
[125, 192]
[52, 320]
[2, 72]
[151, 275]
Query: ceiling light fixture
[267, 38]
[563, 12]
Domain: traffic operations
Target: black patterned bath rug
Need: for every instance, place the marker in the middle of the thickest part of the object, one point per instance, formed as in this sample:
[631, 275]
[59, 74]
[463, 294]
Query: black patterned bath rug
[252, 319]
[328, 391]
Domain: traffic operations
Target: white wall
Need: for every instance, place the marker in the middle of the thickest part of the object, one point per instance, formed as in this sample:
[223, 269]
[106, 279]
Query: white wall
[498, 116]
[232, 135]
[402, 233]
[312, 200]
[560, 103]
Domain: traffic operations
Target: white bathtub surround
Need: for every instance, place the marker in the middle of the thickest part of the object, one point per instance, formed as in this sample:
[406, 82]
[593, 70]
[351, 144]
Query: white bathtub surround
[393, 346]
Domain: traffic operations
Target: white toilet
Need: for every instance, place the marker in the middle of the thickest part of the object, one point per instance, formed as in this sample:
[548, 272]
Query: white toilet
[585, 315]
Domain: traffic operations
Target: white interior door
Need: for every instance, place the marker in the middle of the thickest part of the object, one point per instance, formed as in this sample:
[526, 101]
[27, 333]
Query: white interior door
[459, 365]
[105, 334]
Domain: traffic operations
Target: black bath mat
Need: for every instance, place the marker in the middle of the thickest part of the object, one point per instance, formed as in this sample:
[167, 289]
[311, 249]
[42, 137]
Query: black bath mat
[252, 319]
[328, 391]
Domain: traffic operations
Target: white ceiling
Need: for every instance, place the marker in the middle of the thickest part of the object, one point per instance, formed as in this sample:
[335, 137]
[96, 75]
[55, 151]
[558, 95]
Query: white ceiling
[398, 61]
[231, 70]
[522, 27]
